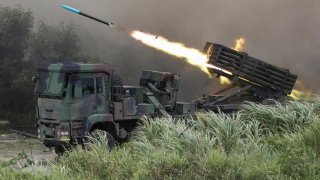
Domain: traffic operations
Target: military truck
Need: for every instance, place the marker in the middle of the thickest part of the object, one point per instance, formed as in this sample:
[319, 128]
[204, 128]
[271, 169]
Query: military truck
[79, 99]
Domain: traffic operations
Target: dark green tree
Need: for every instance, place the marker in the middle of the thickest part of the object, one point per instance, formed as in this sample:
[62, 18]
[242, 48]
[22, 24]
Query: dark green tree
[54, 44]
[15, 29]
[21, 49]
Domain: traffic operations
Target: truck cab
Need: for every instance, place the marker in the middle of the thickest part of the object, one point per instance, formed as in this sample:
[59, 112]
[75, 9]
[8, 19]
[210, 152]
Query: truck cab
[76, 99]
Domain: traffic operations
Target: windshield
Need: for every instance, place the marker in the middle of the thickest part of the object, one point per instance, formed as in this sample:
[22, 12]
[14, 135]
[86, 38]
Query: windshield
[50, 83]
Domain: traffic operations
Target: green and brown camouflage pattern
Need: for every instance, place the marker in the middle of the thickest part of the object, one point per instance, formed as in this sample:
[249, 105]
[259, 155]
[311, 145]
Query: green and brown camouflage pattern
[62, 112]
[161, 89]
[76, 98]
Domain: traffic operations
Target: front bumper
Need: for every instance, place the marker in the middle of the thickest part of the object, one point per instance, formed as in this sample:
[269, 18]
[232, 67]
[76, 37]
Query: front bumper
[59, 132]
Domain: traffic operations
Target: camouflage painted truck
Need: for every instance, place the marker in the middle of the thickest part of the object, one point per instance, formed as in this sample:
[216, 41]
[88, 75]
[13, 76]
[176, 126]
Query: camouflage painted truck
[78, 99]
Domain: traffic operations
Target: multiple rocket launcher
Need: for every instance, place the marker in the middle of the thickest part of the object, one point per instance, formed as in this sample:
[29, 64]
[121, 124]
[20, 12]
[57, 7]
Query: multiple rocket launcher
[116, 109]
[260, 79]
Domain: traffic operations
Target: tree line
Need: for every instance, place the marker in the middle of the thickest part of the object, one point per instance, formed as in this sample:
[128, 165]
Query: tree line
[25, 43]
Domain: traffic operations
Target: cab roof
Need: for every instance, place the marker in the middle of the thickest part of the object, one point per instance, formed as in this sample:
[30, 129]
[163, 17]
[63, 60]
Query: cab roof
[74, 67]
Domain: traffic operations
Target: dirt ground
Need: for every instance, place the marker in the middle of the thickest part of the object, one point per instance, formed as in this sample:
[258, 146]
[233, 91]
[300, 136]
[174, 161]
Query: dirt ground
[11, 144]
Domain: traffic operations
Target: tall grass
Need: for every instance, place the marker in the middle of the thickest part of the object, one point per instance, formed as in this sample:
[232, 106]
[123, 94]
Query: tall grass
[280, 118]
[311, 136]
[259, 142]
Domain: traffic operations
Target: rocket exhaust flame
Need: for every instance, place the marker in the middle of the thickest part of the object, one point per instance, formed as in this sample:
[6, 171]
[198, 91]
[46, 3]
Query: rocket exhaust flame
[224, 80]
[239, 46]
[191, 55]
[301, 92]
[301, 95]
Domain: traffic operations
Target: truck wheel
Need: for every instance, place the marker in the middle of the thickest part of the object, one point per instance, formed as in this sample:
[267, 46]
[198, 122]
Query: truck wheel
[60, 150]
[98, 134]
[133, 132]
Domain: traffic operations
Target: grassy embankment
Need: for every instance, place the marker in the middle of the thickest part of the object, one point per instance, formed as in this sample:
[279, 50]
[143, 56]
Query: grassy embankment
[259, 142]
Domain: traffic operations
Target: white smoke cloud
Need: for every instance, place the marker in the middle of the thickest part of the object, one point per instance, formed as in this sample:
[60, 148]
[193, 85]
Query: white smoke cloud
[284, 33]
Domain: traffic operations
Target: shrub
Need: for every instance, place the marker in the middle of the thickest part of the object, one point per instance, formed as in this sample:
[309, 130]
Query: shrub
[279, 118]
[311, 136]
[227, 130]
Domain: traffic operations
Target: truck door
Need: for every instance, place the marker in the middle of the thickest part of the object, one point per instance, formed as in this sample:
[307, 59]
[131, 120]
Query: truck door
[83, 97]
[102, 96]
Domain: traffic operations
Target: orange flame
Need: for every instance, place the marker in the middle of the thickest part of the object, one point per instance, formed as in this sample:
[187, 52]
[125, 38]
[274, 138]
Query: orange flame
[239, 46]
[190, 55]
[302, 93]
[296, 94]
[224, 80]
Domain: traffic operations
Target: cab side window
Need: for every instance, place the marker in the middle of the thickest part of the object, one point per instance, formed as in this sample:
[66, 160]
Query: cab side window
[87, 86]
[99, 85]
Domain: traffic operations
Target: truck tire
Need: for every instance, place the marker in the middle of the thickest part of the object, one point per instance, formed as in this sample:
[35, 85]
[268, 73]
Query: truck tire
[133, 133]
[60, 150]
[98, 134]
[116, 80]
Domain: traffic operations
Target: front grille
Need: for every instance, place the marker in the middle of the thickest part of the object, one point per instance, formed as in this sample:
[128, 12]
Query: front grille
[77, 129]
[49, 121]
[47, 128]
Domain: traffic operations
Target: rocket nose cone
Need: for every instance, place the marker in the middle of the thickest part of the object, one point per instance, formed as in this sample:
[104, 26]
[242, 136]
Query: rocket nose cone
[70, 9]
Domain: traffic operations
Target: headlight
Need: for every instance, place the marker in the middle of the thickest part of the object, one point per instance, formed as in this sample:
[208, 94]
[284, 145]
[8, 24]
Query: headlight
[39, 135]
[64, 133]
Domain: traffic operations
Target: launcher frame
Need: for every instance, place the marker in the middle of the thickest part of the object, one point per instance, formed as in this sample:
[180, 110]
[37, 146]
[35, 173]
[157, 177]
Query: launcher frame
[253, 79]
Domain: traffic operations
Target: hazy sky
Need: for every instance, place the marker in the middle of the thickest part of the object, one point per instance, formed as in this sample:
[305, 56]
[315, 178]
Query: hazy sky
[282, 32]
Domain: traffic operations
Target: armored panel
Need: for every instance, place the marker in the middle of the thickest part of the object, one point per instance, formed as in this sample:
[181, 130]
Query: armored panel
[118, 111]
[146, 109]
[185, 108]
[133, 91]
[130, 107]
[250, 69]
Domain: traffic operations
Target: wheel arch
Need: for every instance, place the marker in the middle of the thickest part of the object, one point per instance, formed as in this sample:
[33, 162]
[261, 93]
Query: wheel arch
[102, 122]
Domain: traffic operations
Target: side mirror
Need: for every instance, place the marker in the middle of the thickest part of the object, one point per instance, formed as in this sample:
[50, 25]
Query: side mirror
[78, 89]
